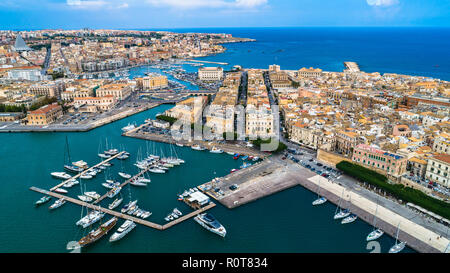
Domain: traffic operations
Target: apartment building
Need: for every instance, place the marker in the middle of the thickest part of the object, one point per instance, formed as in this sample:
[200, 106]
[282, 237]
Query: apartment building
[380, 160]
[153, 82]
[45, 115]
[438, 169]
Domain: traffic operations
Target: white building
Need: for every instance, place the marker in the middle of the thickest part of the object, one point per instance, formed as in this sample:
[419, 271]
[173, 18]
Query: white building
[438, 169]
[210, 73]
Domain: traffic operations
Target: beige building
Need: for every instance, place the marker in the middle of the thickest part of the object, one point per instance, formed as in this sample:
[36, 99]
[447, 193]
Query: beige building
[45, 115]
[442, 144]
[210, 73]
[310, 72]
[52, 89]
[438, 169]
[120, 91]
[311, 137]
[95, 104]
[154, 82]
[189, 110]
[259, 122]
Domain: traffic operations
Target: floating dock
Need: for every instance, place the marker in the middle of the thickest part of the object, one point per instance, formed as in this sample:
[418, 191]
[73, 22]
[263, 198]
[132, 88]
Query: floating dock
[83, 172]
[122, 215]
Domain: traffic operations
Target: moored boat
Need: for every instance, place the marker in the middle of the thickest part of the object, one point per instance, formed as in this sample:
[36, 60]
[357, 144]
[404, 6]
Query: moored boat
[59, 190]
[123, 230]
[98, 233]
[43, 200]
[115, 204]
[60, 175]
[208, 221]
[58, 203]
[124, 175]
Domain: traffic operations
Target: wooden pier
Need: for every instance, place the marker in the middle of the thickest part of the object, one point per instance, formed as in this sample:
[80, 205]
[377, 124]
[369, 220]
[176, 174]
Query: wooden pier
[122, 215]
[83, 172]
[123, 184]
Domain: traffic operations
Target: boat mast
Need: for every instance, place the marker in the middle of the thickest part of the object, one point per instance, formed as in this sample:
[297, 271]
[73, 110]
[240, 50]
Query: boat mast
[339, 204]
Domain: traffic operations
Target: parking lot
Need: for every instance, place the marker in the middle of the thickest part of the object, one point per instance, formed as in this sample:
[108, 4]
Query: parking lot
[308, 161]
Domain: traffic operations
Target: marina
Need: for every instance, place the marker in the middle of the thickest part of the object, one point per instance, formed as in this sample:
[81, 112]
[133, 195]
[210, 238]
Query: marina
[123, 215]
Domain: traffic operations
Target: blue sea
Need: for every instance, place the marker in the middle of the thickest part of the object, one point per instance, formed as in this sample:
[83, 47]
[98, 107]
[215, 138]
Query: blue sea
[411, 51]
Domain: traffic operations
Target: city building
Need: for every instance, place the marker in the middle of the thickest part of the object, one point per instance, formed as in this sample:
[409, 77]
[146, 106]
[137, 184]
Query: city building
[153, 82]
[120, 91]
[380, 160]
[309, 72]
[95, 104]
[45, 115]
[438, 169]
[210, 73]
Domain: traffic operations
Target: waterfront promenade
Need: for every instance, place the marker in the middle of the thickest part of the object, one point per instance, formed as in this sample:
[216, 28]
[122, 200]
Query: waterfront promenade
[17, 128]
[416, 236]
[274, 174]
[226, 147]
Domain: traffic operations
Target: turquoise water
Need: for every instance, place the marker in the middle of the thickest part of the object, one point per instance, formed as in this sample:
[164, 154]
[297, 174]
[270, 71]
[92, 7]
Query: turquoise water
[284, 222]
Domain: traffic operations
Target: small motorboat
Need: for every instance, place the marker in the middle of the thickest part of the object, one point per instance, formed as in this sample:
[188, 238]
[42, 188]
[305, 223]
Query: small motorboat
[43, 200]
[124, 175]
[319, 201]
[59, 190]
[60, 175]
[85, 198]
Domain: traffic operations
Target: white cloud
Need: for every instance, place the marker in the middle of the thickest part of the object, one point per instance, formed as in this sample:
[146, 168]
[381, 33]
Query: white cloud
[93, 4]
[382, 3]
[193, 4]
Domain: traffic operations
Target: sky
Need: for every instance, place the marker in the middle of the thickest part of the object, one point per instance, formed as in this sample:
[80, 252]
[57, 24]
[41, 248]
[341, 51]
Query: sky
[163, 14]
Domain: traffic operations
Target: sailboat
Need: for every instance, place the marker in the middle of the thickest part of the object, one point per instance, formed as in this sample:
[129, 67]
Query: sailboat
[399, 246]
[376, 233]
[320, 200]
[342, 213]
[68, 165]
[352, 217]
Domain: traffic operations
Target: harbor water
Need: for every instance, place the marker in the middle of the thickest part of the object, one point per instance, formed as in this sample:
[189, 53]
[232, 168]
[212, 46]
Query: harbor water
[283, 222]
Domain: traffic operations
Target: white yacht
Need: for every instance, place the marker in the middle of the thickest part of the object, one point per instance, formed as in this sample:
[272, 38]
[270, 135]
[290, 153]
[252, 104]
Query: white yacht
[216, 150]
[123, 230]
[60, 175]
[91, 218]
[104, 156]
[342, 214]
[85, 198]
[58, 203]
[179, 144]
[156, 170]
[92, 194]
[377, 233]
[208, 221]
[129, 127]
[177, 211]
[399, 246]
[349, 219]
[86, 176]
[115, 191]
[319, 201]
[115, 204]
[128, 206]
[59, 190]
[197, 147]
[143, 180]
[124, 175]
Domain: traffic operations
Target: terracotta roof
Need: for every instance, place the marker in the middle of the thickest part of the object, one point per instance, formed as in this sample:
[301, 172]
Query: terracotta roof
[45, 109]
[443, 157]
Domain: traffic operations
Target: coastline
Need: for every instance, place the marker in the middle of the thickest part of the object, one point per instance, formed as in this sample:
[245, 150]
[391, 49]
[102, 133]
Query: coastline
[79, 128]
